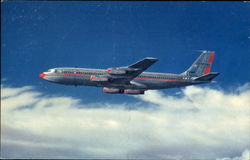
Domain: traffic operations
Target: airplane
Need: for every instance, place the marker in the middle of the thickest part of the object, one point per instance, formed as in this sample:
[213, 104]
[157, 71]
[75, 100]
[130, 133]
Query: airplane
[132, 79]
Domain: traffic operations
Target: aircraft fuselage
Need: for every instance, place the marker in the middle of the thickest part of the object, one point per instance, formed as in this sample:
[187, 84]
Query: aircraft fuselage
[146, 80]
[131, 79]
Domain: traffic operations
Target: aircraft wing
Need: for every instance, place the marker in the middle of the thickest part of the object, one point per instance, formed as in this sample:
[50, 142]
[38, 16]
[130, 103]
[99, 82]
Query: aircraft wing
[142, 65]
[127, 73]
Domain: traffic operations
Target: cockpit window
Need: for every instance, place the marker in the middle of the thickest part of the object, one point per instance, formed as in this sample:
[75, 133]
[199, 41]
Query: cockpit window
[52, 70]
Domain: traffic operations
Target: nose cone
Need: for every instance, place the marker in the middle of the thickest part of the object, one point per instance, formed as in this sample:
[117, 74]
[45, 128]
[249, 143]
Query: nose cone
[41, 75]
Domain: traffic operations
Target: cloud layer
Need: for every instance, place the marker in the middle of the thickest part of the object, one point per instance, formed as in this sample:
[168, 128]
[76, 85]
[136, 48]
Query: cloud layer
[199, 123]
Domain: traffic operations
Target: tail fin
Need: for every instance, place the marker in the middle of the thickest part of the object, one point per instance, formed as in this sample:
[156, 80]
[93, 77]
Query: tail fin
[202, 65]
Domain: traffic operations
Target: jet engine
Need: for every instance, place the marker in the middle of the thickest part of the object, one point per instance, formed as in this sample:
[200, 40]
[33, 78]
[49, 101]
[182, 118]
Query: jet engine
[112, 90]
[133, 91]
[121, 70]
[116, 71]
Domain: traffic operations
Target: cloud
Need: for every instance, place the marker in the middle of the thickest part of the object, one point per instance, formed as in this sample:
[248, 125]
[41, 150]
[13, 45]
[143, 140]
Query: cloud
[201, 123]
[245, 156]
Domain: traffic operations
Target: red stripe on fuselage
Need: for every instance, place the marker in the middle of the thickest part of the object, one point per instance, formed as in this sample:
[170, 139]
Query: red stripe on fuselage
[153, 79]
[66, 74]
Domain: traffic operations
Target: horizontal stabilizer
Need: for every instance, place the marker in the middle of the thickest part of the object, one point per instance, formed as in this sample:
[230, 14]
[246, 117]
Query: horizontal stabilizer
[207, 77]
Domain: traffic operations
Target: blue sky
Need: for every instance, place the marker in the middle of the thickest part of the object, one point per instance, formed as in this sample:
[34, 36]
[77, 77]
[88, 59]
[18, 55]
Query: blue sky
[37, 36]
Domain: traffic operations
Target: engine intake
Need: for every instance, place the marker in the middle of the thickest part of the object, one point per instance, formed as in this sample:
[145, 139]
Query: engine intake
[122, 70]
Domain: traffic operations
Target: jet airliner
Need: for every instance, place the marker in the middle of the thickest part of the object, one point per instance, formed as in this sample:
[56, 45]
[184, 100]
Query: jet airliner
[131, 79]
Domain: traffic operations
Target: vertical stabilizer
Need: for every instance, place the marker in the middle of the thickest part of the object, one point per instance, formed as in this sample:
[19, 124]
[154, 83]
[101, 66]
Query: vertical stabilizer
[202, 65]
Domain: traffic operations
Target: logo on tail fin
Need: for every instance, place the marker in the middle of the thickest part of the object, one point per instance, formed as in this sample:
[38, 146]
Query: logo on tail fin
[202, 65]
[209, 63]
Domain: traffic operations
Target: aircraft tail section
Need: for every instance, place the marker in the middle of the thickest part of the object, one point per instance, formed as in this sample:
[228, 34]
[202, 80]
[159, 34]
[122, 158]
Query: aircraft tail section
[202, 65]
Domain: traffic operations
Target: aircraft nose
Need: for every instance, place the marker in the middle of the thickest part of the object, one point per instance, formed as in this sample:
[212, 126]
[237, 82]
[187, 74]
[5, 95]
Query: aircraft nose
[41, 75]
